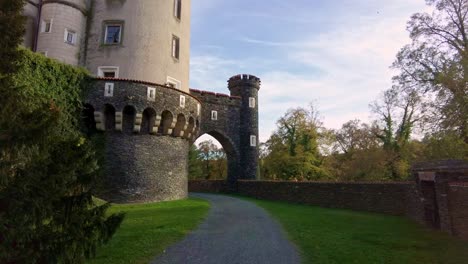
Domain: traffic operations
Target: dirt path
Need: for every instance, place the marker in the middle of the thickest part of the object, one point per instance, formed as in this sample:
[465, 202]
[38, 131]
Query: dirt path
[235, 232]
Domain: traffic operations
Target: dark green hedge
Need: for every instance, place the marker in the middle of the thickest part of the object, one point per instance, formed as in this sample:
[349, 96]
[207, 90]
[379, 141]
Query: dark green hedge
[48, 168]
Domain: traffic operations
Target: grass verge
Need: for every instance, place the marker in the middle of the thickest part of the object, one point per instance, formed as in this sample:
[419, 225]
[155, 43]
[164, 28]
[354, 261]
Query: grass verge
[149, 228]
[343, 236]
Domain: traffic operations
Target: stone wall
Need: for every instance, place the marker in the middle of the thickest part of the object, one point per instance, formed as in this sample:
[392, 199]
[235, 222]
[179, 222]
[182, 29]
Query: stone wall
[458, 207]
[395, 198]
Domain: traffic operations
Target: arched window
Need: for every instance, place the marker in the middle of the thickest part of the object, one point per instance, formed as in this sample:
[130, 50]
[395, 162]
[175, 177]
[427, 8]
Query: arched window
[128, 121]
[166, 123]
[147, 124]
[179, 128]
[109, 117]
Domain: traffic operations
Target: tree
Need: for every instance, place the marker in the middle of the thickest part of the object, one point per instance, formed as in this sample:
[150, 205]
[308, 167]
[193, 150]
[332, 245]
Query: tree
[47, 167]
[213, 159]
[436, 63]
[398, 111]
[293, 151]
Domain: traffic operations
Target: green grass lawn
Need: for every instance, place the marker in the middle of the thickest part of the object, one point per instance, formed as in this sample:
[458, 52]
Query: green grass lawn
[149, 228]
[342, 236]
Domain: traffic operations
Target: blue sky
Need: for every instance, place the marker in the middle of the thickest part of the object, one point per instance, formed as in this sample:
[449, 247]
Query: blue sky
[333, 53]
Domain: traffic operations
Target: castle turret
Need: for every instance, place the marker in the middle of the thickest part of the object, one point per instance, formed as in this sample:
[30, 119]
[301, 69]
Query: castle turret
[246, 87]
[145, 40]
[62, 30]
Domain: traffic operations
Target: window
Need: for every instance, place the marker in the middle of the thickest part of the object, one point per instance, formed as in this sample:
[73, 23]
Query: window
[46, 26]
[252, 102]
[198, 109]
[70, 37]
[175, 47]
[182, 101]
[108, 90]
[108, 72]
[172, 82]
[113, 34]
[253, 141]
[177, 8]
[214, 115]
[151, 94]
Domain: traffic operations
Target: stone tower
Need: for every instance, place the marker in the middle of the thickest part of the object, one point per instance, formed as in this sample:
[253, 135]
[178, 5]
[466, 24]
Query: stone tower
[246, 87]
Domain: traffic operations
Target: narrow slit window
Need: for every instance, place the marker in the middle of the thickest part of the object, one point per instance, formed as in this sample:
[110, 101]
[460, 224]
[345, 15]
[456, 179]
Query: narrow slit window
[182, 101]
[109, 90]
[151, 94]
[253, 141]
[252, 102]
[214, 115]
[198, 109]
[175, 47]
[177, 8]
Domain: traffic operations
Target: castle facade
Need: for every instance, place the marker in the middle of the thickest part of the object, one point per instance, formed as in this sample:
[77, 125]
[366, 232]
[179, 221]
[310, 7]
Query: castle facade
[139, 53]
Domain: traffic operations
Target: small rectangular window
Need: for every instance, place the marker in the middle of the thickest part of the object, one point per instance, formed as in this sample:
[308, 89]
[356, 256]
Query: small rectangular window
[177, 8]
[70, 37]
[253, 141]
[173, 82]
[46, 26]
[175, 47]
[109, 90]
[43, 53]
[198, 109]
[108, 72]
[113, 34]
[214, 115]
[151, 94]
[182, 101]
[252, 102]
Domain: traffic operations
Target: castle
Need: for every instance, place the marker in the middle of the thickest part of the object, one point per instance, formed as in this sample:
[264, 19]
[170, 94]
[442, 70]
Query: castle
[139, 52]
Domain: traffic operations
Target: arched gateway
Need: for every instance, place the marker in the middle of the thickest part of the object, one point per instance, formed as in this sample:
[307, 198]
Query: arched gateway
[148, 129]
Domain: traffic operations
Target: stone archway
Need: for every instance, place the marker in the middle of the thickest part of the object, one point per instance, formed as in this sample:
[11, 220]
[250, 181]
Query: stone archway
[232, 155]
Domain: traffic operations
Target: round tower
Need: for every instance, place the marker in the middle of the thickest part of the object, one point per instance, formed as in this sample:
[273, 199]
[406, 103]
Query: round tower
[246, 87]
[62, 30]
[143, 40]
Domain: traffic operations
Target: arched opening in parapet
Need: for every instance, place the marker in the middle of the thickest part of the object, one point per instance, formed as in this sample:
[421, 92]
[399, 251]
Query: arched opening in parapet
[109, 117]
[179, 127]
[189, 132]
[147, 123]
[128, 119]
[165, 127]
[88, 121]
[213, 157]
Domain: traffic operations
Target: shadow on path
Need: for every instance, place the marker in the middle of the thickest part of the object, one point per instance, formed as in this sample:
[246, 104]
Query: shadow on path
[235, 232]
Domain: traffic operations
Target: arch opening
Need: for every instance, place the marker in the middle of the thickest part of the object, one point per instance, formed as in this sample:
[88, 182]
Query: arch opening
[87, 118]
[128, 116]
[109, 117]
[147, 123]
[166, 123]
[213, 156]
[179, 127]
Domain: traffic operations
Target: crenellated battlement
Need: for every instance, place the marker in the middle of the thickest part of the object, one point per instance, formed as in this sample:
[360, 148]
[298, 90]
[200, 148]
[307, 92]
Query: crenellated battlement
[215, 98]
[244, 80]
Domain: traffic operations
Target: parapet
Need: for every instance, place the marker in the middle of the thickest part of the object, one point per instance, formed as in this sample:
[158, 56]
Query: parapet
[215, 98]
[244, 80]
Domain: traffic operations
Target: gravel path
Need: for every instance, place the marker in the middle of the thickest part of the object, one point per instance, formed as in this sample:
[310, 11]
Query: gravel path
[235, 232]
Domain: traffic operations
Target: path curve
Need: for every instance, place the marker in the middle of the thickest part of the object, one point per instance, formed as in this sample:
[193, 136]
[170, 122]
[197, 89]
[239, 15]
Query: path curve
[235, 232]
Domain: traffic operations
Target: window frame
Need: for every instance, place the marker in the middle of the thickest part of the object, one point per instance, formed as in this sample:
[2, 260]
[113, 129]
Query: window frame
[108, 87]
[175, 47]
[111, 23]
[44, 23]
[176, 83]
[253, 140]
[151, 91]
[73, 34]
[182, 101]
[214, 115]
[104, 69]
[252, 102]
